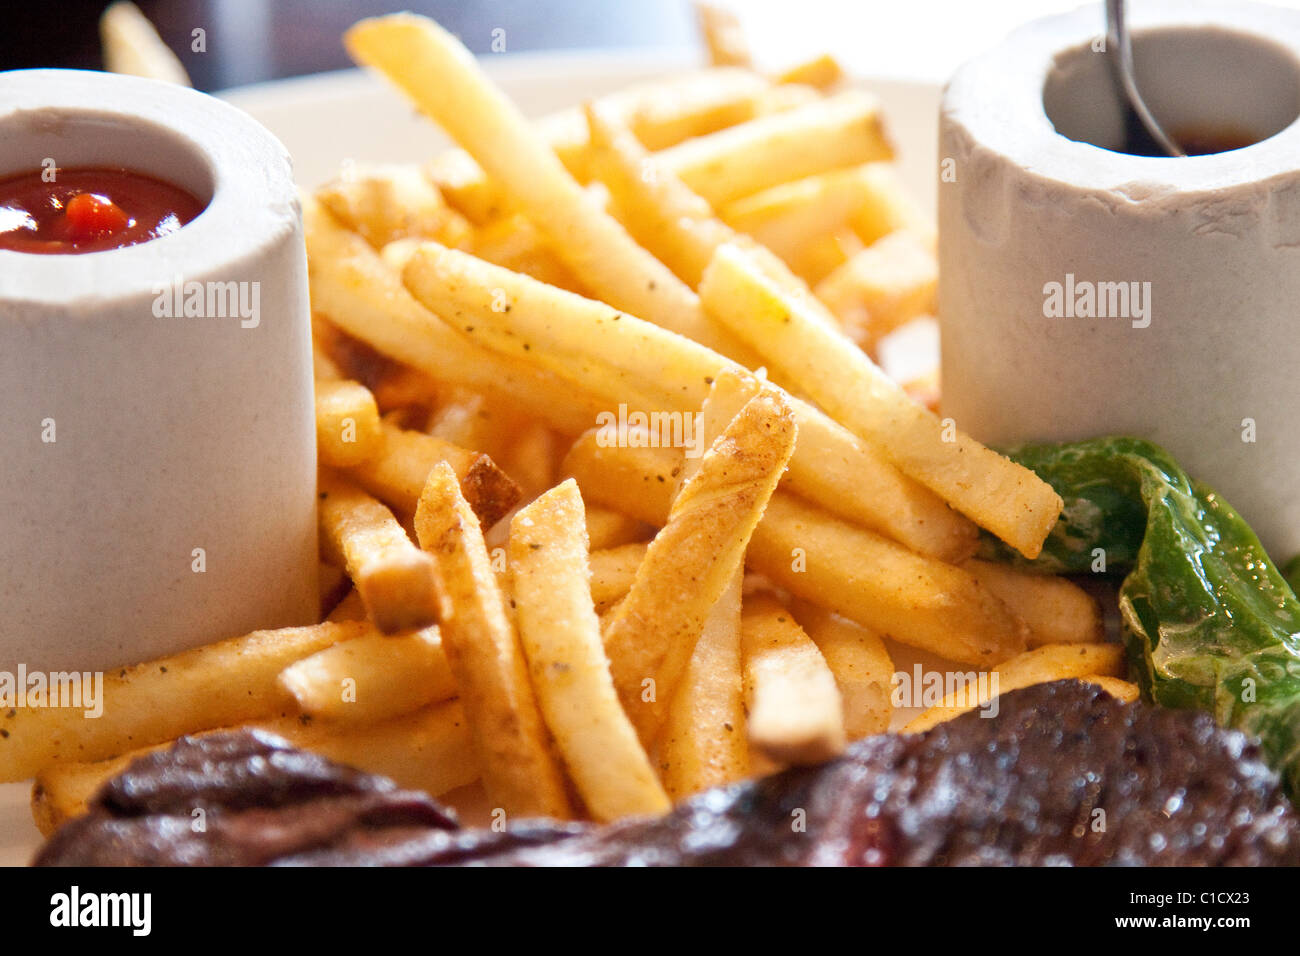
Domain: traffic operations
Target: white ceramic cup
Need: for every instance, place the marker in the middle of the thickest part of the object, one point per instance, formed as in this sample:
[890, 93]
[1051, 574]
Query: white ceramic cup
[158, 470]
[1203, 357]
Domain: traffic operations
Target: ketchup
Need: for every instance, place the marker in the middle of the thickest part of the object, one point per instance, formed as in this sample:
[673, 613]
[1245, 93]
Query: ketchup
[89, 210]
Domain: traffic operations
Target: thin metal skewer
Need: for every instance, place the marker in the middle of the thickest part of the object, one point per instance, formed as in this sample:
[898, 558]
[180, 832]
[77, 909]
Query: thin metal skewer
[1121, 60]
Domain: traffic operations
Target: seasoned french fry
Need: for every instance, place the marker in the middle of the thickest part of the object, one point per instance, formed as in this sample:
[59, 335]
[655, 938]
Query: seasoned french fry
[1057, 611]
[446, 83]
[612, 572]
[1002, 496]
[607, 528]
[861, 664]
[722, 35]
[390, 202]
[516, 244]
[133, 46]
[912, 598]
[397, 472]
[795, 712]
[351, 608]
[359, 292]
[519, 771]
[628, 361]
[371, 678]
[1122, 690]
[841, 130]
[561, 638]
[395, 579]
[427, 750]
[882, 288]
[1043, 664]
[347, 422]
[693, 559]
[213, 686]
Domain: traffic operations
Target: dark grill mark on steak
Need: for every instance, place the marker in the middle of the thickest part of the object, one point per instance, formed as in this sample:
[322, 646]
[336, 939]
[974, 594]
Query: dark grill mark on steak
[1025, 787]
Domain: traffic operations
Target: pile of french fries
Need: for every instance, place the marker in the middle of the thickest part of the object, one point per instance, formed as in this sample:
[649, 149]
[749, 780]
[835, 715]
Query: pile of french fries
[591, 628]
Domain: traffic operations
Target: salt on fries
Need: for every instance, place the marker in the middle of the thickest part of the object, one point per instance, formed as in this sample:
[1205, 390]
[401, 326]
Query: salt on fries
[594, 624]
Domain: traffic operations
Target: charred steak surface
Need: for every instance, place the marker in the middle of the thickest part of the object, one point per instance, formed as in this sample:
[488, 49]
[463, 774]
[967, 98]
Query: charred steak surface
[1065, 774]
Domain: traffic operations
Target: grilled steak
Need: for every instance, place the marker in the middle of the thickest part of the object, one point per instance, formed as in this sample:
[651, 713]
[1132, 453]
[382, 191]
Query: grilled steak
[1065, 774]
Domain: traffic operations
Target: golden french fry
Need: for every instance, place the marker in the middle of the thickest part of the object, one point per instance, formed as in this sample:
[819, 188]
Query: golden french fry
[1057, 611]
[636, 364]
[1050, 662]
[436, 71]
[427, 750]
[841, 130]
[1002, 496]
[912, 598]
[822, 71]
[612, 572]
[561, 638]
[607, 528]
[391, 202]
[861, 664]
[395, 578]
[351, 608]
[360, 293]
[887, 207]
[819, 258]
[397, 472]
[883, 287]
[516, 244]
[520, 772]
[370, 678]
[722, 35]
[693, 559]
[1122, 690]
[133, 46]
[213, 686]
[795, 712]
[347, 422]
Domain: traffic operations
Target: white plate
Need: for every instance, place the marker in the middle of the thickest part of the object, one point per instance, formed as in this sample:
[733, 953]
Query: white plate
[327, 119]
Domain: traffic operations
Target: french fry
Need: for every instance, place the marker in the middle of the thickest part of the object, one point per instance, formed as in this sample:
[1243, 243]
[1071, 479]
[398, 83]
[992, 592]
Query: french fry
[819, 258]
[887, 208]
[353, 286]
[427, 750]
[132, 45]
[566, 659]
[1002, 496]
[397, 472]
[395, 579]
[883, 586]
[607, 528]
[1057, 610]
[347, 422]
[693, 559]
[1124, 691]
[795, 712]
[516, 244]
[722, 35]
[612, 572]
[214, 686]
[703, 741]
[1050, 662]
[371, 678]
[391, 202]
[861, 664]
[883, 287]
[841, 130]
[822, 71]
[519, 770]
[351, 608]
[433, 68]
[631, 362]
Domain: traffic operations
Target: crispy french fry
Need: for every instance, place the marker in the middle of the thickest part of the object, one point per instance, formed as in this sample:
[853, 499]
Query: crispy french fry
[887, 207]
[561, 638]
[883, 287]
[433, 68]
[1122, 690]
[390, 202]
[519, 770]
[516, 244]
[631, 362]
[395, 579]
[612, 572]
[607, 528]
[822, 71]
[370, 678]
[359, 292]
[693, 559]
[861, 664]
[1002, 496]
[819, 258]
[842, 130]
[351, 608]
[795, 712]
[133, 46]
[213, 686]
[427, 750]
[912, 598]
[347, 422]
[397, 472]
[1057, 611]
[1043, 664]
[723, 37]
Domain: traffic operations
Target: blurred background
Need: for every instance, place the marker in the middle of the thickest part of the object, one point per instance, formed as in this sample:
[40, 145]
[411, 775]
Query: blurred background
[249, 41]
